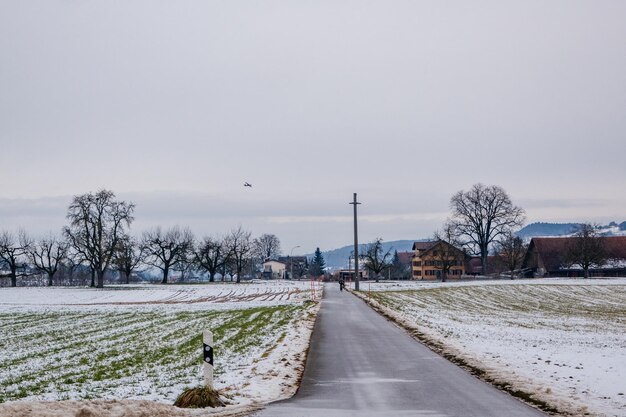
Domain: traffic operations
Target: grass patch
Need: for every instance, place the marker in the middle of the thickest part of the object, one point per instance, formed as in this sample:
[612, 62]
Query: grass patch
[201, 397]
[115, 353]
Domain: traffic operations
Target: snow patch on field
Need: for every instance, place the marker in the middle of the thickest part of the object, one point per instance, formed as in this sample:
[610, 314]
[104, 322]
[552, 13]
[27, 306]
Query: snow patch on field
[118, 345]
[219, 296]
[564, 340]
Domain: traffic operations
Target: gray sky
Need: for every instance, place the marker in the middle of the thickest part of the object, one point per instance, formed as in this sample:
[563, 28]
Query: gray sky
[174, 105]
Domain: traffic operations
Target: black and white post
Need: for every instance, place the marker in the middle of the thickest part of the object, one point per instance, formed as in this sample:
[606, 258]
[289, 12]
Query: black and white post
[207, 349]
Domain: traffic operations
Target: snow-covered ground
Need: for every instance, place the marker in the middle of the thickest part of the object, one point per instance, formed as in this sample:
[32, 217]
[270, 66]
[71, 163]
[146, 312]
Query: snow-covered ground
[143, 342]
[215, 296]
[562, 339]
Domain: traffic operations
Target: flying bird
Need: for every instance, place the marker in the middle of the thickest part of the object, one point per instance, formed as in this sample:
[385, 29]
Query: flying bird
[247, 184]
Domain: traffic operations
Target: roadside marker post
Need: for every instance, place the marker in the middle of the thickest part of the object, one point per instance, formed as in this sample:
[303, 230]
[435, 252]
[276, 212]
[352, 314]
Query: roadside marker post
[207, 349]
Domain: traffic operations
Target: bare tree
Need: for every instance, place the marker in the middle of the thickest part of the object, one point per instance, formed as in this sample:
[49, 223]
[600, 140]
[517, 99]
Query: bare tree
[69, 270]
[47, 255]
[445, 254]
[586, 249]
[211, 255]
[376, 259]
[481, 215]
[187, 262]
[266, 246]
[300, 266]
[97, 222]
[165, 250]
[240, 248]
[511, 250]
[13, 252]
[128, 256]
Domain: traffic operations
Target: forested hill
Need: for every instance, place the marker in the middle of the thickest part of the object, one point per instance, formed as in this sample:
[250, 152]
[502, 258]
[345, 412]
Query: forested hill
[547, 229]
[565, 229]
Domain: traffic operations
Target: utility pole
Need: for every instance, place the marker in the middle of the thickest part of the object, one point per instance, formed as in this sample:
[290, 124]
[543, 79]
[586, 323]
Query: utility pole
[356, 247]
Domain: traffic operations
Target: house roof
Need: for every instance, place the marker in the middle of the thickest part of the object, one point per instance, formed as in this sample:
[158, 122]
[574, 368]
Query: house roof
[553, 250]
[267, 261]
[438, 243]
[405, 257]
[294, 259]
[615, 247]
[424, 245]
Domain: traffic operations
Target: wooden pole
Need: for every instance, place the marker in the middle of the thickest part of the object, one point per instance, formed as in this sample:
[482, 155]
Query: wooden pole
[356, 246]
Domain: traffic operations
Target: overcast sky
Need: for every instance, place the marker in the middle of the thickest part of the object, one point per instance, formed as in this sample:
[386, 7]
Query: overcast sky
[174, 104]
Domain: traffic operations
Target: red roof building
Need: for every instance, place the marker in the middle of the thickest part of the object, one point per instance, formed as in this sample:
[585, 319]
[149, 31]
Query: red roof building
[547, 256]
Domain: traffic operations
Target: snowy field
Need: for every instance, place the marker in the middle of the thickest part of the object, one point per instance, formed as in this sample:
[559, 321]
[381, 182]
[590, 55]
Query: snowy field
[563, 340]
[144, 342]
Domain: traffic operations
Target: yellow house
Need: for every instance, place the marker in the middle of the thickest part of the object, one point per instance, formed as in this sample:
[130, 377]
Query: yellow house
[437, 260]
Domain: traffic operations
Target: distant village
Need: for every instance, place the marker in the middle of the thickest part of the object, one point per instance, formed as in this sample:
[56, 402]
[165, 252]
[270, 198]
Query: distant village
[536, 257]
[477, 241]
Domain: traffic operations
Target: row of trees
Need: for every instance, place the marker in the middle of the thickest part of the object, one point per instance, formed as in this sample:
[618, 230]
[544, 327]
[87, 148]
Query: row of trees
[482, 219]
[483, 222]
[97, 238]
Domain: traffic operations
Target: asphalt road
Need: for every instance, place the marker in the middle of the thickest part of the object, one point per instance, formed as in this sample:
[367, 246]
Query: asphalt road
[360, 364]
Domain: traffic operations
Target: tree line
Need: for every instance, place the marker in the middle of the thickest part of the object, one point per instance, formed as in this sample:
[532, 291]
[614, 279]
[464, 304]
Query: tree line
[482, 223]
[97, 239]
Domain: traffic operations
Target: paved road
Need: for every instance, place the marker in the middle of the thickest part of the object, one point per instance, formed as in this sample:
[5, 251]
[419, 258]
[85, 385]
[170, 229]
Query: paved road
[360, 364]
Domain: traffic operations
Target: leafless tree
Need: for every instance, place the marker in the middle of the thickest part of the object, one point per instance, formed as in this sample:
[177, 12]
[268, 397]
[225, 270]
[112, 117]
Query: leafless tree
[266, 246]
[510, 251]
[445, 253]
[375, 258]
[586, 249]
[165, 250]
[482, 215]
[211, 255]
[300, 266]
[14, 252]
[187, 262]
[47, 255]
[240, 247]
[97, 222]
[68, 270]
[128, 256]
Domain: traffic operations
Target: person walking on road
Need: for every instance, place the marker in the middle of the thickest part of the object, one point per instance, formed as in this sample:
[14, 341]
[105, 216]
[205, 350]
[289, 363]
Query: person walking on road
[342, 284]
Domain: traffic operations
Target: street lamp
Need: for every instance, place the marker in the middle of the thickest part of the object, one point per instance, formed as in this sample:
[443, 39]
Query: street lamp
[291, 261]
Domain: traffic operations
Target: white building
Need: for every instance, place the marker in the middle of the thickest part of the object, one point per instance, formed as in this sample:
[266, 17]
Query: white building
[273, 269]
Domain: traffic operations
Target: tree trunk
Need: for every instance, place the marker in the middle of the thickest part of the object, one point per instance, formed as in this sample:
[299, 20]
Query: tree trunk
[100, 279]
[50, 279]
[211, 276]
[166, 272]
[586, 272]
[93, 277]
[238, 275]
[483, 262]
[13, 275]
